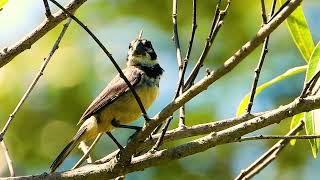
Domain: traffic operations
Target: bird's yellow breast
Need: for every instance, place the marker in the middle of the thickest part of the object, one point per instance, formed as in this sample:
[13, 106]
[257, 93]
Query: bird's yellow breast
[126, 109]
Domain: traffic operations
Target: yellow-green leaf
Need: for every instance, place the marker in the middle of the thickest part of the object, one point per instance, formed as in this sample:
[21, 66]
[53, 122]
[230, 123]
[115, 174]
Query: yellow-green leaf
[312, 125]
[3, 2]
[298, 27]
[294, 122]
[244, 103]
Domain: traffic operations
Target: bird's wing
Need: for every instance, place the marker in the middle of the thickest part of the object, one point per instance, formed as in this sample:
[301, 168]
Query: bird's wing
[116, 88]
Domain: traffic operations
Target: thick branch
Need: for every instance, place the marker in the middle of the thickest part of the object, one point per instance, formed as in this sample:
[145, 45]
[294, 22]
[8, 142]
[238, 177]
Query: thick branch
[232, 134]
[8, 53]
[203, 84]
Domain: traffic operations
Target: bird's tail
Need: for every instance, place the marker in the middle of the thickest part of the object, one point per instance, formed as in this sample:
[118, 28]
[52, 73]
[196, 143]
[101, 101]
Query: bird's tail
[66, 151]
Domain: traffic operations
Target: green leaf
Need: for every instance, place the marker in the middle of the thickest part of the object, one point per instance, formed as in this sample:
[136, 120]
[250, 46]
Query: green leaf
[294, 122]
[313, 62]
[312, 125]
[244, 103]
[300, 33]
[3, 2]
[310, 130]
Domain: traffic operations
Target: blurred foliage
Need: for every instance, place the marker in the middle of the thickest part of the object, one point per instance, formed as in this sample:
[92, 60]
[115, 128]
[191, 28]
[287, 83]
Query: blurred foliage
[79, 70]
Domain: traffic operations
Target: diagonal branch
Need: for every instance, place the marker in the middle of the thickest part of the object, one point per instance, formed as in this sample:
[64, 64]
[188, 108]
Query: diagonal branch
[109, 56]
[8, 53]
[35, 80]
[111, 169]
[8, 159]
[203, 84]
[268, 156]
[47, 8]
[264, 51]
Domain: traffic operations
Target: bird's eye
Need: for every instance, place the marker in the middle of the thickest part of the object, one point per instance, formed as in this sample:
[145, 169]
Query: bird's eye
[129, 46]
[147, 44]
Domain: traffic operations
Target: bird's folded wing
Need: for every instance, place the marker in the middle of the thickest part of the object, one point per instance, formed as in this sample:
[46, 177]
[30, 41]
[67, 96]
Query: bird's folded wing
[116, 88]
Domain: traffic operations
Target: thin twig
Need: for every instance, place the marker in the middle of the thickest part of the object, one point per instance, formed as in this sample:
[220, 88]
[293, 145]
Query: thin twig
[215, 27]
[264, 51]
[309, 85]
[86, 154]
[205, 82]
[8, 159]
[47, 8]
[7, 54]
[272, 137]
[112, 168]
[35, 80]
[268, 156]
[181, 73]
[85, 148]
[145, 115]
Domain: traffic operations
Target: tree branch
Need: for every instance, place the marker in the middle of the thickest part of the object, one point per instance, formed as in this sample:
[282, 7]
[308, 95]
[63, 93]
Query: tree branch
[111, 169]
[94, 37]
[35, 80]
[8, 53]
[268, 156]
[8, 159]
[203, 84]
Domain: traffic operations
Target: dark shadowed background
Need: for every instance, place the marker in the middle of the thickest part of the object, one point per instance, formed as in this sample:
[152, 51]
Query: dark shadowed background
[79, 70]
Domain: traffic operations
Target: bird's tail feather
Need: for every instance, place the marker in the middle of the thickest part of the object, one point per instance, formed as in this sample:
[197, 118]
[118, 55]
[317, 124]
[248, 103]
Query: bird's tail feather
[66, 151]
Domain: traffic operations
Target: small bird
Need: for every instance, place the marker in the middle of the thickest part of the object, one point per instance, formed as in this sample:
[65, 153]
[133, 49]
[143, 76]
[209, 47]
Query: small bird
[116, 106]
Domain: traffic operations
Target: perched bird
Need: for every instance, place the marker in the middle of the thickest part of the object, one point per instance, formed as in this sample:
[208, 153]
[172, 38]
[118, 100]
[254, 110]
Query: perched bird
[116, 106]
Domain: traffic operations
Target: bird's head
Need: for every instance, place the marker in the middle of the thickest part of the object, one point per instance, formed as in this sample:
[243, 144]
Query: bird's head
[141, 52]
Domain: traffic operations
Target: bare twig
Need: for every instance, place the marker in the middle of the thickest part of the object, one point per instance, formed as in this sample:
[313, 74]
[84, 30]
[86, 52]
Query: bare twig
[206, 81]
[8, 53]
[86, 154]
[217, 23]
[47, 8]
[113, 169]
[85, 148]
[35, 80]
[309, 85]
[268, 156]
[181, 73]
[264, 51]
[273, 137]
[109, 56]
[8, 159]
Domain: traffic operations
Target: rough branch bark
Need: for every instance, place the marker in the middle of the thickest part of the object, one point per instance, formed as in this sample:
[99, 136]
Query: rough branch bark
[8, 53]
[113, 169]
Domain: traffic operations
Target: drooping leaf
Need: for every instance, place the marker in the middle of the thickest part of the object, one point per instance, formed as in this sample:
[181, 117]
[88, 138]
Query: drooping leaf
[310, 130]
[298, 27]
[294, 122]
[244, 103]
[312, 125]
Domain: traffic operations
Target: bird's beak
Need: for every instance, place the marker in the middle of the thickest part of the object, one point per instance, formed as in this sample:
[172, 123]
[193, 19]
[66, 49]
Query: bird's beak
[140, 34]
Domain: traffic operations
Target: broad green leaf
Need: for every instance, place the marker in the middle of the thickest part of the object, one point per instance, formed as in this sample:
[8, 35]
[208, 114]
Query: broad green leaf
[244, 103]
[294, 122]
[312, 125]
[313, 62]
[3, 2]
[300, 33]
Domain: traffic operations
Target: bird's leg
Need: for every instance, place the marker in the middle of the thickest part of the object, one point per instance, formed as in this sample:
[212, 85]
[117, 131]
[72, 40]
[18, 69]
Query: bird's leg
[116, 123]
[115, 140]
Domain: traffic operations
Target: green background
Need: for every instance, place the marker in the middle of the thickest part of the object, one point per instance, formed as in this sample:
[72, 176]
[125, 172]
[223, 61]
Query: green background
[79, 70]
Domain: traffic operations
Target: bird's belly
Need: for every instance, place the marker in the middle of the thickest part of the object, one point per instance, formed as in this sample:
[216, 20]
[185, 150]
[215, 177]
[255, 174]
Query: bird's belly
[126, 109]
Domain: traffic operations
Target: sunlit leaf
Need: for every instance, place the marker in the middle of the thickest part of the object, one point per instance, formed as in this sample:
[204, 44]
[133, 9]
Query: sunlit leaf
[294, 122]
[300, 32]
[243, 104]
[310, 130]
[312, 118]
[2, 3]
